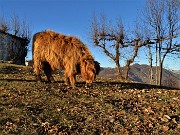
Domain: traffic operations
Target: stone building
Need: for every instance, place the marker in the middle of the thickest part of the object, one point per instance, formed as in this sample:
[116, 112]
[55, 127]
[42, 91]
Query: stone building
[13, 48]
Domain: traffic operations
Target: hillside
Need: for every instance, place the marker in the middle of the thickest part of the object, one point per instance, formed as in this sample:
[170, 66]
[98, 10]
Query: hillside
[139, 73]
[105, 107]
[176, 71]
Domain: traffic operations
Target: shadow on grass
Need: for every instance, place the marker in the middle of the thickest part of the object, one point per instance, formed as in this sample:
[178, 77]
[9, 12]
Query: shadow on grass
[25, 80]
[10, 70]
[140, 86]
[119, 85]
[17, 80]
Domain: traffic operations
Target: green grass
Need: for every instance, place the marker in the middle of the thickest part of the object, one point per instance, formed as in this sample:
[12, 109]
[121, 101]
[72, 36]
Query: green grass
[34, 108]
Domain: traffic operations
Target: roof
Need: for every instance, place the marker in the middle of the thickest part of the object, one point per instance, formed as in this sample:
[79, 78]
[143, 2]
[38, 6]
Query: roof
[2, 32]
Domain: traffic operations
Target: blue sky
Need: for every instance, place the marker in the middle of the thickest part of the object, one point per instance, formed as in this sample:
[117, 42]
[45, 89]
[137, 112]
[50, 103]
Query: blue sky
[74, 17]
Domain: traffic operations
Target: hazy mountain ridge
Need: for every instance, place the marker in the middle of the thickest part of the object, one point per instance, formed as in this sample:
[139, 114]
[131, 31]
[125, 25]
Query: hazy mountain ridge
[140, 73]
[176, 71]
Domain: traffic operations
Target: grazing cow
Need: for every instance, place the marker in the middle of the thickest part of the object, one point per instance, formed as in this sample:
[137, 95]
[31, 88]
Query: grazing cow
[53, 51]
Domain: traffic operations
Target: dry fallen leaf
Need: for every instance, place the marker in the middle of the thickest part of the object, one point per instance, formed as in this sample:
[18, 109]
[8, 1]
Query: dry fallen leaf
[165, 118]
[165, 128]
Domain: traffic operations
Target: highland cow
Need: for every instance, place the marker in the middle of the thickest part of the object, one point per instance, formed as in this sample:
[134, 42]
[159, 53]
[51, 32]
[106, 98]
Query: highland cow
[53, 51]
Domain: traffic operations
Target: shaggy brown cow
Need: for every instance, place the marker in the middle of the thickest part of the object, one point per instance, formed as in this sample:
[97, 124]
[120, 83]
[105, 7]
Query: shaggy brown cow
[53, 51]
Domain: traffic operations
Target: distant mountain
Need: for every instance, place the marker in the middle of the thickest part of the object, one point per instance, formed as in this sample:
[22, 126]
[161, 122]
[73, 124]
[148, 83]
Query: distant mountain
[176, 71]
[140, 73]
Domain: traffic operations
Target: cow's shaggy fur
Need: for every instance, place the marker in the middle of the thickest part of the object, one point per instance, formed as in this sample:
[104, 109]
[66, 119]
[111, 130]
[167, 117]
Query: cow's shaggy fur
[53, 51]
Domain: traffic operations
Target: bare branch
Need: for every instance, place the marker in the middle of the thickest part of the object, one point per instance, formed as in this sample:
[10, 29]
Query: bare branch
[4, 26]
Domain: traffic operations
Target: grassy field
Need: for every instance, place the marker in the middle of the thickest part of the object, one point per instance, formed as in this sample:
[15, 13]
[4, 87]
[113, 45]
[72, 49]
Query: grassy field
[103, 108]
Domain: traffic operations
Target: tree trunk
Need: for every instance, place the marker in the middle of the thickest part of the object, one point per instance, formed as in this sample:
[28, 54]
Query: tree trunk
[127, 69]
[151, 74]
[119, 70]
[157, 69]
[160, 64]
[160, 73]
[150, 65]
[131, 60]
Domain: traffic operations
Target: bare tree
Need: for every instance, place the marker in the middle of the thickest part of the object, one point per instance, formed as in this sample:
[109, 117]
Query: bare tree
[110, 40]
[162, 17]
[147, 35]
[142, 36]
[129, 61]
[137, 42]
[154, 17]
[25, 30]
[4, 25]
[172, 15]
[113, 40]
[150, 64]
[15, 23]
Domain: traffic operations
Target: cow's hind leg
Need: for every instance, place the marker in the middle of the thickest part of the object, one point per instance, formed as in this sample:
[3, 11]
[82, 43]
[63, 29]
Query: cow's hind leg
[70, 78]
[67, 81]
[48, 71]
[37, 70]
